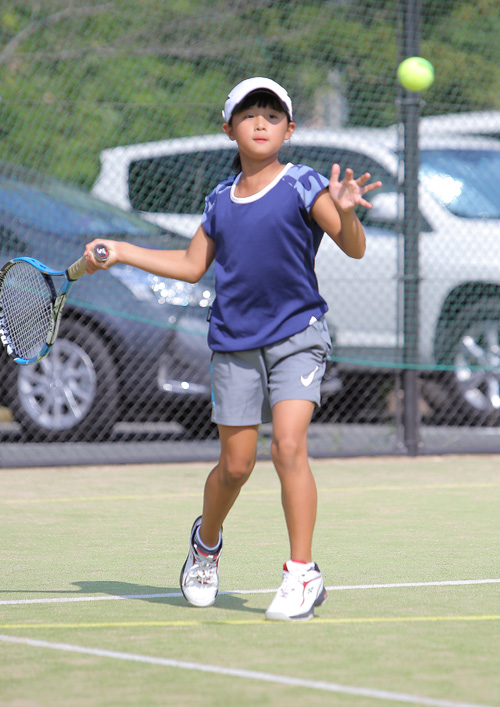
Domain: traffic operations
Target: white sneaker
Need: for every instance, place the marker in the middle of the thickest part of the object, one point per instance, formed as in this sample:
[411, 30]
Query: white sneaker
[301, 590]
[200, 574]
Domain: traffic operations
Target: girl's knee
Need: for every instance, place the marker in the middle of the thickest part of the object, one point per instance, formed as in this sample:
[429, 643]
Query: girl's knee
[235, 471]
[238, 454]
[287, 450]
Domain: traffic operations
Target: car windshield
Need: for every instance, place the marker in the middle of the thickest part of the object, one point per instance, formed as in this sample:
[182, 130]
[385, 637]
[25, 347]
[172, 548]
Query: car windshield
[465, 181]
[55, 208]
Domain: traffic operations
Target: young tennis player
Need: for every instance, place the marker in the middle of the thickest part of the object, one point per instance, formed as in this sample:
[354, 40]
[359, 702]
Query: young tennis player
[267, 332]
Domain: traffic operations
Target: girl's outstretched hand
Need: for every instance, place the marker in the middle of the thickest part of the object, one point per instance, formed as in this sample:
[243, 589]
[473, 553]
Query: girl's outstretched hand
[349, 192]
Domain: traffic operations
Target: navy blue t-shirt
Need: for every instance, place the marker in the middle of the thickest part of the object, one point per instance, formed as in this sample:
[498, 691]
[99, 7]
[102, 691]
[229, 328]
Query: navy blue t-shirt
[265, 247]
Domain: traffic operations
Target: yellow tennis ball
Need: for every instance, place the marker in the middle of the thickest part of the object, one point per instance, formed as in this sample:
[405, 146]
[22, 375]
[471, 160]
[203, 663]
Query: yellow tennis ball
[415, 74]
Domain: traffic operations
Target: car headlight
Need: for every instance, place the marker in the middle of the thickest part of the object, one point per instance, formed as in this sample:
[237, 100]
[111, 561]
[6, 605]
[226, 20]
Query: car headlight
[162, 290]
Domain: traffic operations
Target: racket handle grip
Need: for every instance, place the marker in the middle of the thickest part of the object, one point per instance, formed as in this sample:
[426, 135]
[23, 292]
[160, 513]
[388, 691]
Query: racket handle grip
[77, 269]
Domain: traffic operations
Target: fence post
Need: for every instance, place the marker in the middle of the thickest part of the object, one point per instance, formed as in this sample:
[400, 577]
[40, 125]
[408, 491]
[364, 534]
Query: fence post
[410, 11]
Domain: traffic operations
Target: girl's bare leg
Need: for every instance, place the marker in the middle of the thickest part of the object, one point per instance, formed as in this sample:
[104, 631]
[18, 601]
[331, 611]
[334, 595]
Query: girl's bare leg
[224, 483]
[291, 419]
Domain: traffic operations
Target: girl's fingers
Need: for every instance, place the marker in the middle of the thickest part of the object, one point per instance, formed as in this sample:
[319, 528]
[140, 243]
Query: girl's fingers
[335, 172]
[371, 187]
[363, 179]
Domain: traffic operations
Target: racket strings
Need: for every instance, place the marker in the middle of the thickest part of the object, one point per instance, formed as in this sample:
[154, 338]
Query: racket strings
[27, 309]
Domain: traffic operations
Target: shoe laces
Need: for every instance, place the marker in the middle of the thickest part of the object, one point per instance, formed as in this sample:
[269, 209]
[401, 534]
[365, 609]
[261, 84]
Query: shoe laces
[290, 583]
[204, 568]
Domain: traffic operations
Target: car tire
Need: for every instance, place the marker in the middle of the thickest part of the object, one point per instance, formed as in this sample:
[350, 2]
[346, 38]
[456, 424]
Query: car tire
[472, 346]
[72, 394]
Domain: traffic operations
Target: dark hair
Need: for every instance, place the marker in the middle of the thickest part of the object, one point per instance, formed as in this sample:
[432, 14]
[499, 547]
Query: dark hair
[260, 98]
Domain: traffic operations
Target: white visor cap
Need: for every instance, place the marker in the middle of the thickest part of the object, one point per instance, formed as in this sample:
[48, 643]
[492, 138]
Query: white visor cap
[257, 83]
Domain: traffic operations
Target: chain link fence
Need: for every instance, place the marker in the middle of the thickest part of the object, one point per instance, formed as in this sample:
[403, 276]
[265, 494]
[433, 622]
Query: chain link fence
[110, 124]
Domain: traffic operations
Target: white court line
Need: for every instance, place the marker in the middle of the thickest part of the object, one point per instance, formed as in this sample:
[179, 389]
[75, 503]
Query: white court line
[172, 595]
[248, 674]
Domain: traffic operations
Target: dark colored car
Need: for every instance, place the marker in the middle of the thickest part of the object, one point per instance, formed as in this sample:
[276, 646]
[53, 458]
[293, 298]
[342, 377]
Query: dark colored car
[131, 345]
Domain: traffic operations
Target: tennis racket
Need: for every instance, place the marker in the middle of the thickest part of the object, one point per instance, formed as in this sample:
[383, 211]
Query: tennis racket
[31, 306]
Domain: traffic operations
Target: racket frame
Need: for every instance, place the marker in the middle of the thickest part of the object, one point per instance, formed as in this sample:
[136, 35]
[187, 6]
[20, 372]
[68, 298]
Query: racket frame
[71, 274]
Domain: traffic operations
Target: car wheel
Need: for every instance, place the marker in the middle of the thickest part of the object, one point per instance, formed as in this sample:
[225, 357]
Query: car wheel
[72, 394]
[474, 351]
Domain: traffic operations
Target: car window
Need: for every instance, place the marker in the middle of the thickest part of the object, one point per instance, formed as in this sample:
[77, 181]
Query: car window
[177, 183]
[464, 181]
[180, 182]
[52, 208]
[322, 158]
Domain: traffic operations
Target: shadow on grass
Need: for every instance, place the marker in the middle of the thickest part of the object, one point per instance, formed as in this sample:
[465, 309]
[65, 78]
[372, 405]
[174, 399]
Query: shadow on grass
[139, 592]
[160, 595]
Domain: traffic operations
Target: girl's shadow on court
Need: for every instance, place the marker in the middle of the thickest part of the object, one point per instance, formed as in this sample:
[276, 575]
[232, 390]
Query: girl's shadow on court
[159, 595]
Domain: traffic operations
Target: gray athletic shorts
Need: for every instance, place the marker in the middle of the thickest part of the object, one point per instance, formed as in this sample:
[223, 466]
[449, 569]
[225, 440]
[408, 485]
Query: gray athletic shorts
[247, 384]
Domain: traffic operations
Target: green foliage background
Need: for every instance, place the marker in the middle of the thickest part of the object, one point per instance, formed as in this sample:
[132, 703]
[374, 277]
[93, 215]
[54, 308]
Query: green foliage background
[76, 77]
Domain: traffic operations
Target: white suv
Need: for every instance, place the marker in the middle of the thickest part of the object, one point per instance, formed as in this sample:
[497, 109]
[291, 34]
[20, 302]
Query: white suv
[459, 241]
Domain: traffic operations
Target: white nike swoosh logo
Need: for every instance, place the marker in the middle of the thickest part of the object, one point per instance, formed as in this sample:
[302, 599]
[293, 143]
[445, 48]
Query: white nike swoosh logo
[307, 380]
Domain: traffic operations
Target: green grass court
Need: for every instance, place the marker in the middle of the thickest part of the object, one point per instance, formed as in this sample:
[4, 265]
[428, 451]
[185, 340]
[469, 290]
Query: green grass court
[91, 613]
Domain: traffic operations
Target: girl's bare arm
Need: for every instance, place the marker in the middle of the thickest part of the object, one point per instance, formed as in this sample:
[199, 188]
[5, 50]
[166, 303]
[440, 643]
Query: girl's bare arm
[188, 265]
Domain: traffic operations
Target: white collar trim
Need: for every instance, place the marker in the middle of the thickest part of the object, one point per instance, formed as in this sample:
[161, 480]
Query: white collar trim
[259, 194]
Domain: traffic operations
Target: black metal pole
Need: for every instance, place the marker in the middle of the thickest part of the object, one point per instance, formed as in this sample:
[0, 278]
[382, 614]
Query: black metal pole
[411, 10]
